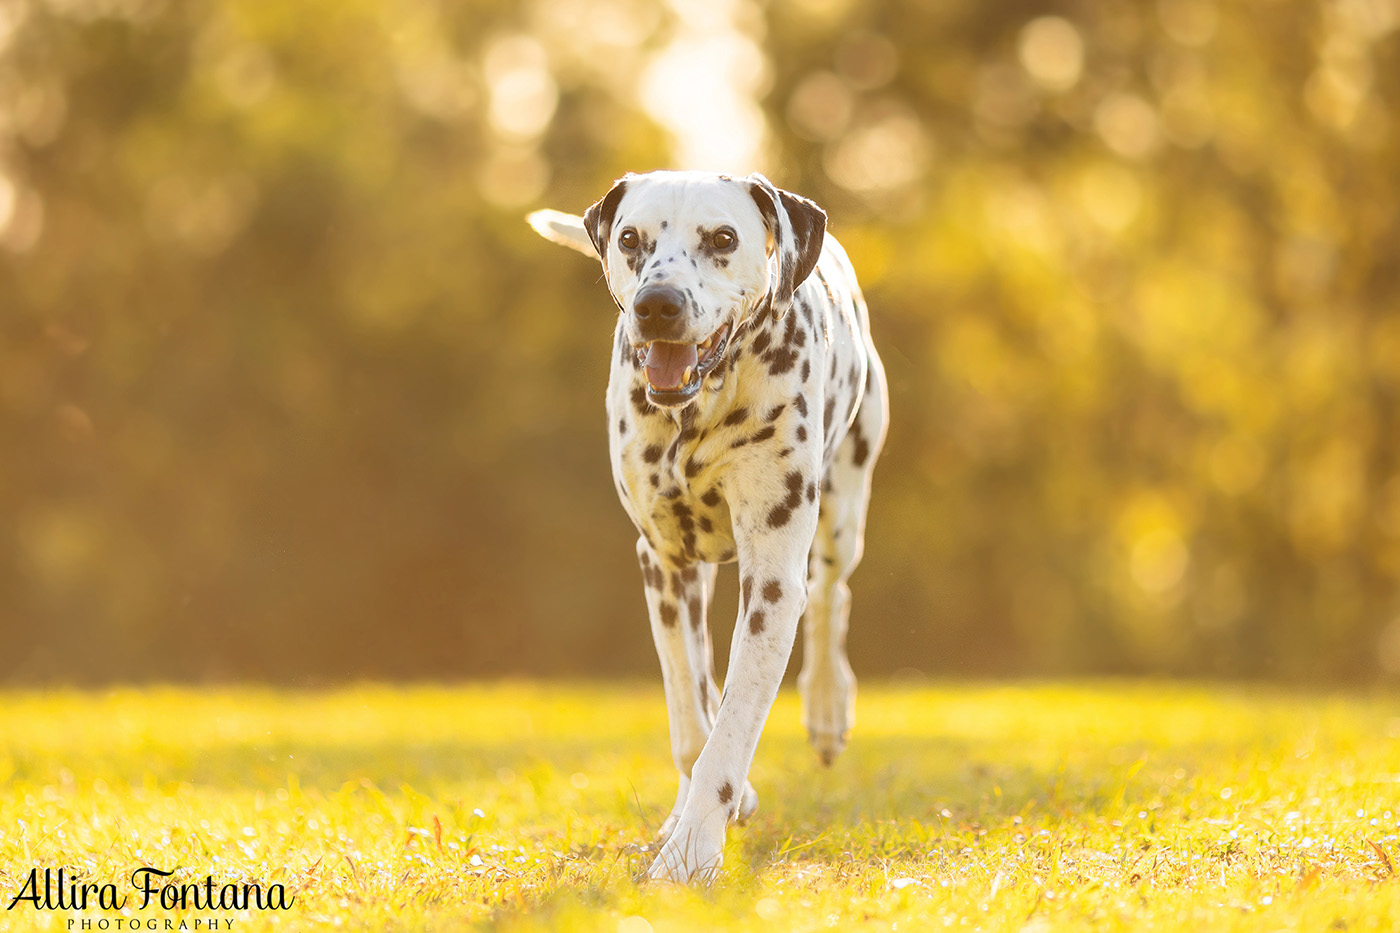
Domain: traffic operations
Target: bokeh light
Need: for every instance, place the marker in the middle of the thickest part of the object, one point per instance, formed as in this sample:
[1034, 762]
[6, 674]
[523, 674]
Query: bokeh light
[289, 390]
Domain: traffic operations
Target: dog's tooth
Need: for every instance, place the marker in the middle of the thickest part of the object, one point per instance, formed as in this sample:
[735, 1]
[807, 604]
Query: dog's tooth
[685, 380]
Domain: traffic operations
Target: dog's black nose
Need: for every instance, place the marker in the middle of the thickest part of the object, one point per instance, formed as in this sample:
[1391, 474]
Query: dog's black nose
[659, 310]
[660, 302]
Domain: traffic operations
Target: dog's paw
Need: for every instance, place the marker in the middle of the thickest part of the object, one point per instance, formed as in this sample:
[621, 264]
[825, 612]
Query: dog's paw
[668, 827]
[688, 857]
[828, 745]
[828, 691]
[748, 804]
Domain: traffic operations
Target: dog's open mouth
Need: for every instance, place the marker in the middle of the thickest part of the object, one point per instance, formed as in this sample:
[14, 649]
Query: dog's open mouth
[675, 370]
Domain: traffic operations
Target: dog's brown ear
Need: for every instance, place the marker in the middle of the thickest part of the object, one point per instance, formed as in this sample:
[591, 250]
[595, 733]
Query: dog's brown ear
[598, 219]
[798, 227]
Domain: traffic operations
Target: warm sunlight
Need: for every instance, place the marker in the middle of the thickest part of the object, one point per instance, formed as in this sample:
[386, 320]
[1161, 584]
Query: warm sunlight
[704, 85]
[358, 542]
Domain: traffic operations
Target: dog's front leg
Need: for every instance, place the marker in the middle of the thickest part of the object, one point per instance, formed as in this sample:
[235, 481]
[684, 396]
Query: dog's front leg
[773, 542]
[678, 600]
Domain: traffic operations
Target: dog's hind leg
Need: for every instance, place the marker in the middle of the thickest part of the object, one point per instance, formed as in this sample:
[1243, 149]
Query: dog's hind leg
[827, 683]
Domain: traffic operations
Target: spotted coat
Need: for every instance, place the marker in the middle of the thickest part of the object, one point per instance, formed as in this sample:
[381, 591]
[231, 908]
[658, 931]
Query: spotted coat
[759, 451]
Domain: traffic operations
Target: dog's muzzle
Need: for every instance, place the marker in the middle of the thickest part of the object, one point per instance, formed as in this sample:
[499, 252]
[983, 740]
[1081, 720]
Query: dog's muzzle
[675, 368]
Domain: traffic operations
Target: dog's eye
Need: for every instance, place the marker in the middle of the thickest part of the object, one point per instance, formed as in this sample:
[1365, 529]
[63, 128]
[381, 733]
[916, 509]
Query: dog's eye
[629, 240]
[723, 239]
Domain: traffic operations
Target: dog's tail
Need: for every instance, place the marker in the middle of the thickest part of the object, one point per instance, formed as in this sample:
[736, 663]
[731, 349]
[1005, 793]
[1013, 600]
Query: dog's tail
[564, 229]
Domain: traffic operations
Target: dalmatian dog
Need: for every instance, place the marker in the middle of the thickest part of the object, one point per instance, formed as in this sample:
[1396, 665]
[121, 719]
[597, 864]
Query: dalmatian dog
[746, 408]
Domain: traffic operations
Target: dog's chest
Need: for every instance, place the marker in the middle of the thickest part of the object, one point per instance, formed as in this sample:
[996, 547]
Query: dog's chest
[671, 479]
[780, 410]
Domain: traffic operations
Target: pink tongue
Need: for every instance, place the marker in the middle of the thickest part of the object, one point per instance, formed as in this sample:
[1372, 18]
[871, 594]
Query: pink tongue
[666, 363]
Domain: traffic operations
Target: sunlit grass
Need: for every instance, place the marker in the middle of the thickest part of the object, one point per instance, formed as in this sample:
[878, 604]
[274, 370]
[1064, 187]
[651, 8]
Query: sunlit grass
[527, 807]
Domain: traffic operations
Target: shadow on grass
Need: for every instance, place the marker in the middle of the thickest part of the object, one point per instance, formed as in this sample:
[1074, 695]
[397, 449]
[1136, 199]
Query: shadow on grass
[880, 778]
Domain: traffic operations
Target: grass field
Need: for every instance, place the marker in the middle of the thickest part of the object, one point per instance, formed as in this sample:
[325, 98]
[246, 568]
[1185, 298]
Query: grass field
[1034, 808]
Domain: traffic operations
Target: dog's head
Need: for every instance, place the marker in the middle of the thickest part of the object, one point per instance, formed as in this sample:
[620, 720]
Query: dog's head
[689, 257]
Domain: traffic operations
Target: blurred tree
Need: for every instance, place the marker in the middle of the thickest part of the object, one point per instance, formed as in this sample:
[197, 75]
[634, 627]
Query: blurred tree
[284, 391]
[1139, 259]
[288, 390]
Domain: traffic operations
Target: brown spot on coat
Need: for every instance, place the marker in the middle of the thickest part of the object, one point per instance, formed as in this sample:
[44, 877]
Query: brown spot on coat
[653, 576]
[782, 512]
[781, 360]
[861, 447]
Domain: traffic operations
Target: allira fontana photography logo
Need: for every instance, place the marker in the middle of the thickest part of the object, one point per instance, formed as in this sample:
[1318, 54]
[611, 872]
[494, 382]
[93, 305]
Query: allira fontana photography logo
[150, 889]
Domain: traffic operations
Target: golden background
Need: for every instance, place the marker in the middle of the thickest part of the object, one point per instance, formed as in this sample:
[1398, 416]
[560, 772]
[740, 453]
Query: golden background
[289, 390]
